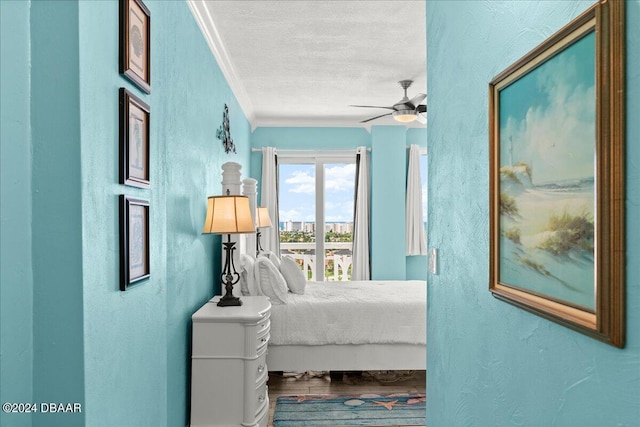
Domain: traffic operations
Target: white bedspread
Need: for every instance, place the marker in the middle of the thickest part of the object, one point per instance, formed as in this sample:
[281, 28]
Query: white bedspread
[365, 312]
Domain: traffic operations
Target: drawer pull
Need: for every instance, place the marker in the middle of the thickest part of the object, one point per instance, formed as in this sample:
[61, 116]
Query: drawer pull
[260, 369]
[261, 398]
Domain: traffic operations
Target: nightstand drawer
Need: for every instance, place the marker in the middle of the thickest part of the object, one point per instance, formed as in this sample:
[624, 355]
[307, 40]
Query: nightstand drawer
[229, 369]
[256, 402]
[259, 367]
[263, 327]
[264, 322]
[262, 398]
[264, 418]
[262, 343]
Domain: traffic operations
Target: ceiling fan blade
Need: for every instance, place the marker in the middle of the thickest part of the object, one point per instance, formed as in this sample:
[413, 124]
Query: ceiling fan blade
[376, 117]
[372, 106]
[421, 118]
[418, 98]
[422, 108]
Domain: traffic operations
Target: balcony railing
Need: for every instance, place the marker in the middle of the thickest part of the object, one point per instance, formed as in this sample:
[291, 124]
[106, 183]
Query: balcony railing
[337, 260]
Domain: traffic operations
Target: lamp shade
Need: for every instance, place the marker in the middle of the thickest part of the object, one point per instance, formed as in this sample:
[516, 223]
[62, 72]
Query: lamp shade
[228, 215]
[263, 220]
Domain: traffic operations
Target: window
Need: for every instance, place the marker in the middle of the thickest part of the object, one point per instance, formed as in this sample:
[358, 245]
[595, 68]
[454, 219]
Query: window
[316, 201]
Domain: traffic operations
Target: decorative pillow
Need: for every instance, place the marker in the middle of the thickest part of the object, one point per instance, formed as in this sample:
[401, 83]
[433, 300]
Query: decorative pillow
[293, 275]
[248, 283]
[273, 257]
[272, 283]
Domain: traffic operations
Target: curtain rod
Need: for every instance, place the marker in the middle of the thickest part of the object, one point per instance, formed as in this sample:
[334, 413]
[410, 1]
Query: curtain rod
[423, 150]
[342, 151]
[339, 151]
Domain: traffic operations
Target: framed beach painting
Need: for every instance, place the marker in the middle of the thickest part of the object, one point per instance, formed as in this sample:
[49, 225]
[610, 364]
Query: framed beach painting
[557, 177]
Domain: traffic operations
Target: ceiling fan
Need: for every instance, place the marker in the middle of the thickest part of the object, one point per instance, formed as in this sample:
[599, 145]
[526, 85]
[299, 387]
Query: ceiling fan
[406, 110]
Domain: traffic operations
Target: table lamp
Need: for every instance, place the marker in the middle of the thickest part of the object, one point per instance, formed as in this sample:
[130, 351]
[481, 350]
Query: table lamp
[263, 221]
[228, 215]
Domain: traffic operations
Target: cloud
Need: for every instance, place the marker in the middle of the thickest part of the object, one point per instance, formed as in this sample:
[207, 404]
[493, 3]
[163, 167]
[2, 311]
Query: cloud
[338, 218]
[340, 178]
[291, 214]
[337, 178]
[340, 211]
[557, 139]
[301, 182]
[339, 187]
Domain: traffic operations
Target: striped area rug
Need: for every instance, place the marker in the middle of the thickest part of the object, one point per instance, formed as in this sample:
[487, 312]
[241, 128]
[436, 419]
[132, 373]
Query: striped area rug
[399, 409]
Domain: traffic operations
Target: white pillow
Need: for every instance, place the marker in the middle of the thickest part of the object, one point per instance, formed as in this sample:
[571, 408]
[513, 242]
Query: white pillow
[272, 283]
[273, 257]
[248, 283]
[293, 275]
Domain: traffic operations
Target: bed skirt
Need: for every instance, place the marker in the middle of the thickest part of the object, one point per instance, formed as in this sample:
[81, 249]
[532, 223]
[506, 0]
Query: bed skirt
[347, 357]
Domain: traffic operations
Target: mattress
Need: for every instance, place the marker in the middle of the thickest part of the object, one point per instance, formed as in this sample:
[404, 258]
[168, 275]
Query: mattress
[364, 312]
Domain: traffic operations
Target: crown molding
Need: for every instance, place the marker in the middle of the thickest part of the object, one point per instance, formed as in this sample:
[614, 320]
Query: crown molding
[306, 122]
[324, 123]
[209, 31]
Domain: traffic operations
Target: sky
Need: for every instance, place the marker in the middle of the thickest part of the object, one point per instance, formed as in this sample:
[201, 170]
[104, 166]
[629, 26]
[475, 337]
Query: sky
[297, 191]
[549, 116]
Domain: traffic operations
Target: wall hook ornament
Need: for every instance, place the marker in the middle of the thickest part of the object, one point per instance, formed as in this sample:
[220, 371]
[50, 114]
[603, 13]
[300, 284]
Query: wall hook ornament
[224, 133]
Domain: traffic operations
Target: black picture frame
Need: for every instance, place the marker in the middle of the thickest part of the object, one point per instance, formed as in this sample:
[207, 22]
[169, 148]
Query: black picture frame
[135, 116]
[135, 43]
[135, 264]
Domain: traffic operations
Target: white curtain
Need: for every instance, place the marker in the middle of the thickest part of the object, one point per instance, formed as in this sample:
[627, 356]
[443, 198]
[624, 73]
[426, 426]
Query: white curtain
[416, 239]
[361, 269]
[270, 238]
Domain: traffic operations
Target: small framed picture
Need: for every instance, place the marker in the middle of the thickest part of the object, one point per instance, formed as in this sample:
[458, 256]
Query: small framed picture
[134, 140]
[135, 36]
[134, 241]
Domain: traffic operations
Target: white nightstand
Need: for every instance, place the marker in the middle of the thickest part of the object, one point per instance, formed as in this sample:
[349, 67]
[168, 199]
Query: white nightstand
[228, 364]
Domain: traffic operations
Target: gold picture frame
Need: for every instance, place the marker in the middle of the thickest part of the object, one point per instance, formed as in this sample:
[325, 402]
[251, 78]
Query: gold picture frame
[135, 43]
[556, 143]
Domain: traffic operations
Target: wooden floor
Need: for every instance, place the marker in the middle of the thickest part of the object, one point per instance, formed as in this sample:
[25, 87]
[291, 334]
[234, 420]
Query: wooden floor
[379, 382]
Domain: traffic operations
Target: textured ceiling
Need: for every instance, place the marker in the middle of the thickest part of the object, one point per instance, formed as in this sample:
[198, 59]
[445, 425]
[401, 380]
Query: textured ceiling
[301, 63]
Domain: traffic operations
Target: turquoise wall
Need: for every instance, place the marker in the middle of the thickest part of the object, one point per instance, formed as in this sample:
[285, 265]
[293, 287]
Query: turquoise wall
[388, 176]
[388, 192]
[57, 235]
[190, 103]
[124, 355]
[125, 332]
[16, 271]
[187, 100]
[490, 363]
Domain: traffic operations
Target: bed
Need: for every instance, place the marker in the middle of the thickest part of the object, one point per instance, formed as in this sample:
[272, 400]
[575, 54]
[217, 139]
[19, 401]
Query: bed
[339, 326]
[343, 326]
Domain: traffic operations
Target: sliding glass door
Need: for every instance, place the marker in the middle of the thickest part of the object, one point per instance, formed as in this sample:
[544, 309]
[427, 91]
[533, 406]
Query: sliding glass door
[316, 200]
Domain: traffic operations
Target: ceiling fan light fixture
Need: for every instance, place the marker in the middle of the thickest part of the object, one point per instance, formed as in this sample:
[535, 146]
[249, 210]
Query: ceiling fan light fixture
[404, 111]
[404, 116]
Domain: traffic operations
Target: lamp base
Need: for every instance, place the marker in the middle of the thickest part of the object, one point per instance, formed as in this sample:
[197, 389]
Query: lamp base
[229, 276]
[228, 301]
